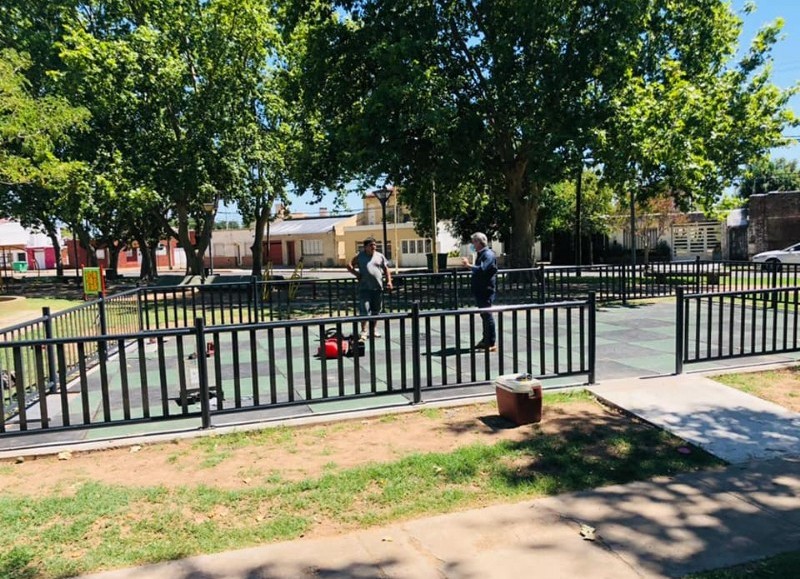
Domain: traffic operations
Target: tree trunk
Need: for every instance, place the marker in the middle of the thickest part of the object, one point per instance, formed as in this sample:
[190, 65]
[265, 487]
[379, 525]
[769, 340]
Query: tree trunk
[51, 233]
[194, 251]
[113, 257]
[86, 243]
[257, 249]
[152, 250]
[524, 200]
[146, 271]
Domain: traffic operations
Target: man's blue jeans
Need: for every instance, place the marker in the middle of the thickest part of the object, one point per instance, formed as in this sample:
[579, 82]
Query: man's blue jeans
[489, 331]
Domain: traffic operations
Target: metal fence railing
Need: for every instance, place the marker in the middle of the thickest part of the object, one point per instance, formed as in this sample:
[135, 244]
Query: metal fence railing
[202, 371]
[257, 301]
[737, 324]
[90, 333]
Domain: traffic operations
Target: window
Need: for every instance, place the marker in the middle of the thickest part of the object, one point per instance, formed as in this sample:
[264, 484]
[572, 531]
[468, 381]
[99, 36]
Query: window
[378, 248]
[312, 247]
[411, 246]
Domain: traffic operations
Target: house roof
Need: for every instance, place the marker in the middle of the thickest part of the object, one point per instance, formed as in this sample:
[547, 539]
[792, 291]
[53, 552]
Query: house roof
[307, 226]
[12, 234]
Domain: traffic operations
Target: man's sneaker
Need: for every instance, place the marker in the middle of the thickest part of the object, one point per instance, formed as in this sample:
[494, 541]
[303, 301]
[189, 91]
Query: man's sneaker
[362, 337]
[376, 334]
[482, 346]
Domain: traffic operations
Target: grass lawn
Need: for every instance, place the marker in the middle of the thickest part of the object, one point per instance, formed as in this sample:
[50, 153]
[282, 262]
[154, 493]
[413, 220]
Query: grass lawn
[166, 501]
[23, 309]
[779, 386]
[778, 567]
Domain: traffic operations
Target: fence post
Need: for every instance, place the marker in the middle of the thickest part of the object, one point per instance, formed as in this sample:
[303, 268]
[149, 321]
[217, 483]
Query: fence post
[140, 309]
[592, 335]
[774, 302]
[51, 352]
[697, 274]
[416, 374]
[202, 372]
[102, 346]
[541, 288]
[256, 306]
[624, 284]
[455, 289]
[679, 331]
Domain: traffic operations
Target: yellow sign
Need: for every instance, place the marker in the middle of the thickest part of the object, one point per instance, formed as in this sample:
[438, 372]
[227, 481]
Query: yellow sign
[92, 281]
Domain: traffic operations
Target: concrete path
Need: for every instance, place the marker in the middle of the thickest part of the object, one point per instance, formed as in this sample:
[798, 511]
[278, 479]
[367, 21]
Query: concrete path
[726, 422]
[666, 527]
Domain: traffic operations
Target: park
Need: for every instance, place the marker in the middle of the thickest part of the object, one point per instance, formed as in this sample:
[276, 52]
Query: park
[583, 198]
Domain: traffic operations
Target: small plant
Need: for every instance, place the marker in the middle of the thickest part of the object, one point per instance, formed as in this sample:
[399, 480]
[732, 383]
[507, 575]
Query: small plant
[432, 413]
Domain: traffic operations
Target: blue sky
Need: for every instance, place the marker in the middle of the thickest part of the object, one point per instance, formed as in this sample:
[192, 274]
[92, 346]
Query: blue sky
[786, 72]
[786, 54]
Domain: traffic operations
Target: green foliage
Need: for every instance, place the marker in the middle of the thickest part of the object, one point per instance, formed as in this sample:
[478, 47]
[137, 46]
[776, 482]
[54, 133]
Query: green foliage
[490, 105]
[35, 177]
[765, 175]
[558, 206]
[691, 117]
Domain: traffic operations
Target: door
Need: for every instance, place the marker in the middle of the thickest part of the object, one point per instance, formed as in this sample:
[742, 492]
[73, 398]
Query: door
[39, 257]
[737, 243]
[275, 253]
[290, 257]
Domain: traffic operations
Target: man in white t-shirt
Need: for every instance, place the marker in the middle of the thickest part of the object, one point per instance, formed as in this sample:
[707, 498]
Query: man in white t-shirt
[370, 267]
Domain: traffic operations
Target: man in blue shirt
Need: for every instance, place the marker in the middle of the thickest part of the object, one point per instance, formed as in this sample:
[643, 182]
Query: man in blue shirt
[369, 266]
[484, 286]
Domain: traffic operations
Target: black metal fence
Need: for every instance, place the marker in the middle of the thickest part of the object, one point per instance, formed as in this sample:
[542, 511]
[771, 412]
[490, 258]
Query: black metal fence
[27, 372]
[257, 301]
[199, 372]
[717, 326]
[34, 364]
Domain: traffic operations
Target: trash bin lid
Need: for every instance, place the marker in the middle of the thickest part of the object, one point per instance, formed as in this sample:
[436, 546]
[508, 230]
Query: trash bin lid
[517, 383]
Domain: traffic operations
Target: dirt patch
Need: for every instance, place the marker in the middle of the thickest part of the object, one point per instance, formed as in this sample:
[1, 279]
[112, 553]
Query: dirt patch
[779, 386]
[782, 389]
[294, 453]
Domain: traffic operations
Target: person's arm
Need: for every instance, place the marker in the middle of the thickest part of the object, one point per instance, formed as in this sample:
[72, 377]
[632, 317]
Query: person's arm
[388, 273]
[351, 267]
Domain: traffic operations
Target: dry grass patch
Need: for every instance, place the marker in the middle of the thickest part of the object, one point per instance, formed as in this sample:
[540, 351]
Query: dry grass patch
[164, 501]
[779, 386]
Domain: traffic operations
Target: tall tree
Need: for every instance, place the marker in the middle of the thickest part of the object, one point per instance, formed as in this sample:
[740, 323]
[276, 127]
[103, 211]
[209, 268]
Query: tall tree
[691, 118]
[34, 176]
[502, 99]
[169, 83]
[765, 175]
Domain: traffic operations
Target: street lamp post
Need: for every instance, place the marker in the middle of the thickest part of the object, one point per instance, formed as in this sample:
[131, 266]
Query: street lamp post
[383, 196]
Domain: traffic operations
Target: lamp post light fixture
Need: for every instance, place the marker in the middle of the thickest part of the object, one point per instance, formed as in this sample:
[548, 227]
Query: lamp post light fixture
[383, 196]
[210, 208]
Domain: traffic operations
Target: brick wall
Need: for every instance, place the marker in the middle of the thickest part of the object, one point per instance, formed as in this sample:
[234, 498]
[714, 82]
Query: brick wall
[774, 221]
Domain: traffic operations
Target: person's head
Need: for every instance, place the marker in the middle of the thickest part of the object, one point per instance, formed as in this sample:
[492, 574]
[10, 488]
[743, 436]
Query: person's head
[479, 240]
[370, 245]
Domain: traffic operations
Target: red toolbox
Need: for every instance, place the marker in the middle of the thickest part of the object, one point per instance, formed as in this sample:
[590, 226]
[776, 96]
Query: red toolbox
[519, 398]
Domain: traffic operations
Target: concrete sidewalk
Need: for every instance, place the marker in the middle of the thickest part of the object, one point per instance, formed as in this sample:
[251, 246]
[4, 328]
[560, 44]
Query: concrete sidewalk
[666, 527]
[662, 528]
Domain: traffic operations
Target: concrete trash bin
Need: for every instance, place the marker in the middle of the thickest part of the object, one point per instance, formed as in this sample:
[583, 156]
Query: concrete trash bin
[519, 398]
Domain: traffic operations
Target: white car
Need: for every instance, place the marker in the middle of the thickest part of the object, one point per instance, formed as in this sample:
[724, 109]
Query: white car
[773, 260]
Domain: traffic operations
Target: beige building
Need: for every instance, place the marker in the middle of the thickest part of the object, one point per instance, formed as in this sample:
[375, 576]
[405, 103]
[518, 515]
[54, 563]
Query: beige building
[405, 247]
[320, 241]
[332, 241]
